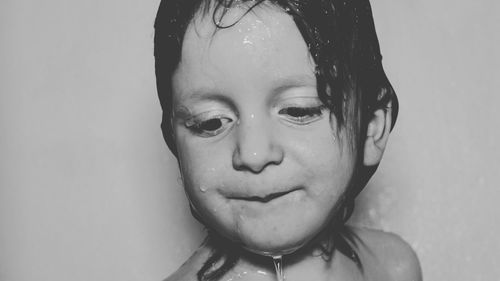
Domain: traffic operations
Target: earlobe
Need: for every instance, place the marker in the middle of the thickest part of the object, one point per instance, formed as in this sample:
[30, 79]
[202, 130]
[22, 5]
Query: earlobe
[377, 135]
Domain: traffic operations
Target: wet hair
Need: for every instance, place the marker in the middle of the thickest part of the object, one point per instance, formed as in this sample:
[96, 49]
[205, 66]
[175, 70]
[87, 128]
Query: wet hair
[351, 82]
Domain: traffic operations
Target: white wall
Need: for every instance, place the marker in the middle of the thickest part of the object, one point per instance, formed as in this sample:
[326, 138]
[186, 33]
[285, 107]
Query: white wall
[438, 186]
[88, 190]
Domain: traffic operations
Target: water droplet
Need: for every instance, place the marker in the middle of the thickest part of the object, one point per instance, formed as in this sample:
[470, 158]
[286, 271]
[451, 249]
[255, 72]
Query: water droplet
[278, 265]
[180, 181]
[261, 272]
[335, 73]
[203, 188]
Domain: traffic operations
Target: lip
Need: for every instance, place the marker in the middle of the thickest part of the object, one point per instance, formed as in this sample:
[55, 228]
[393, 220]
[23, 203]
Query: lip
[262, 199]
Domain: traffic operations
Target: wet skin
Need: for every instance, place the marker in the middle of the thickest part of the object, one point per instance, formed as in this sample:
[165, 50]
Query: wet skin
[259, 158]
[384, 256]
[259, 155]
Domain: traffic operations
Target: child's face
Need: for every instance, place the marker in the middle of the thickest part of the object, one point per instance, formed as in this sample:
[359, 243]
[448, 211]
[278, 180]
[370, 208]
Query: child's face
[260, 159]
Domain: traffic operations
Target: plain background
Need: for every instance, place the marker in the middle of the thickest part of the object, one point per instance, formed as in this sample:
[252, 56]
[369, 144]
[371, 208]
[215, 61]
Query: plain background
[89, 191]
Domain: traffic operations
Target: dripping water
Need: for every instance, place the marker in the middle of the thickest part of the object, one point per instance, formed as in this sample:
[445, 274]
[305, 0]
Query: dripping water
[278, 265]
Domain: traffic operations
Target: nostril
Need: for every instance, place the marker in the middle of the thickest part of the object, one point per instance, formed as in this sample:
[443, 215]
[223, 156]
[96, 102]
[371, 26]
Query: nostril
[256, 146]
[256, 161]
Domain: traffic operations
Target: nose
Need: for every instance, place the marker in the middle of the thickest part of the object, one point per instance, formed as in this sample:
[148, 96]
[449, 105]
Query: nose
[256, 146]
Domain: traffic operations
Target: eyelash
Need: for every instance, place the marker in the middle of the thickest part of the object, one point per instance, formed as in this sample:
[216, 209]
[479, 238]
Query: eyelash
[302, 115]
[214, 125]
[205, 128]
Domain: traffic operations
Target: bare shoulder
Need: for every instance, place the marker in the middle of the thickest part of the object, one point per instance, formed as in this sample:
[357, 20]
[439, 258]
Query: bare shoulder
[389, 255]
[189, 269]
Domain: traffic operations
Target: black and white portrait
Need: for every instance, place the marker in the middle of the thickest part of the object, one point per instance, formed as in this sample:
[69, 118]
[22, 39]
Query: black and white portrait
[249, 140]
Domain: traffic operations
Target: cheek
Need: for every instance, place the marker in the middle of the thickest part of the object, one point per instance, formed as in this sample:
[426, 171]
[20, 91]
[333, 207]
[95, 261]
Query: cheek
[330, 164]
[198, 175]
[203, 171]
[199, 163]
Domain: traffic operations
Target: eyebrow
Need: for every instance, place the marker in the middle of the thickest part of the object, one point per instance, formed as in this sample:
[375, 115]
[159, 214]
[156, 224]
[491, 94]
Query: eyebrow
[295, 81]
[207, 93]
[279, 85]
[200, 95]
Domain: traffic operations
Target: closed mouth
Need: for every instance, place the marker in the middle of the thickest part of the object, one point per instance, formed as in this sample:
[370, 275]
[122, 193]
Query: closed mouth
[261, 199]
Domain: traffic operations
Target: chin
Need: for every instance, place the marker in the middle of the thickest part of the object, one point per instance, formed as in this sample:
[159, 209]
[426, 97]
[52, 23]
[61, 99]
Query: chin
[274, 249]
[269, 230]
[277, 241]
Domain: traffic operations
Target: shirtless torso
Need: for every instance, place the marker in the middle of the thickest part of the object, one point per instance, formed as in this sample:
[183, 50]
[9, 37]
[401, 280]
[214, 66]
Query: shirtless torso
[384, 257]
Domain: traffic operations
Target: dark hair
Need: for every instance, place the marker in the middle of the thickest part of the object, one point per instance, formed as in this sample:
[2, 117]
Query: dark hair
[351, 81]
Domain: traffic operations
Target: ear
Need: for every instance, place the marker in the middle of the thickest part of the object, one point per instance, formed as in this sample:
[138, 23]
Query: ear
[377, 135]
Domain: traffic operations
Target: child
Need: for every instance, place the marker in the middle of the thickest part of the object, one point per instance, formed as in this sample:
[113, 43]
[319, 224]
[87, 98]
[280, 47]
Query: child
[278, 113]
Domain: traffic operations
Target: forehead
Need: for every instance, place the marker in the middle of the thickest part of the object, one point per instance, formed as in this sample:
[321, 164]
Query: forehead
[263, 44]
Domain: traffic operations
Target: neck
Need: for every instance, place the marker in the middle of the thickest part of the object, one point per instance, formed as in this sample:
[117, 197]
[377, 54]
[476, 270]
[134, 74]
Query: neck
[313, 260]
[306, 265]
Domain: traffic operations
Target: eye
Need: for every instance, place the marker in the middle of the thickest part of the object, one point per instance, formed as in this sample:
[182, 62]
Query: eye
[208, 127]
[302, 115]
